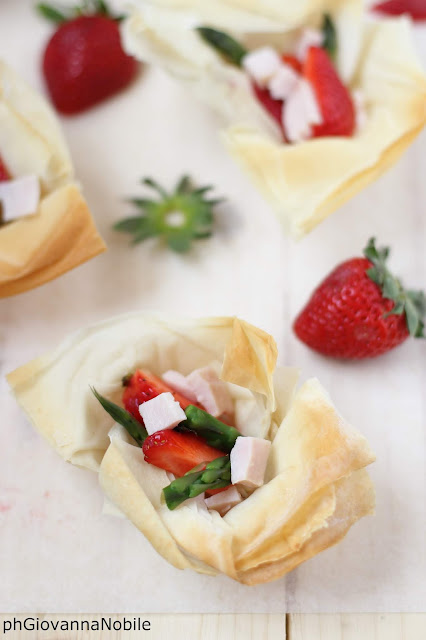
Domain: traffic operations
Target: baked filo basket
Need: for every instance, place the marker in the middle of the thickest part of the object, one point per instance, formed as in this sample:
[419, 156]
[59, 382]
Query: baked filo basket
[316, 100]
[45, 224]
[210, 393]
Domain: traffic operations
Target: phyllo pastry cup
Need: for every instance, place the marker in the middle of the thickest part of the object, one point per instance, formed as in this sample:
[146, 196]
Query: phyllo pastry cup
[316, 485]
[304, 181]
[61, 234]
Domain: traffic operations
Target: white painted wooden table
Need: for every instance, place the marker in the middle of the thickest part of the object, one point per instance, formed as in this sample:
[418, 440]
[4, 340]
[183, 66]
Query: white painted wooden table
[57, 552]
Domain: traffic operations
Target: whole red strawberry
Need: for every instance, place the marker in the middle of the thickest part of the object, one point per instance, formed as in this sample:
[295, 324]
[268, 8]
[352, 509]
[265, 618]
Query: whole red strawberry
[360, 310]
[415, 8]
[84, 62]
[334, 100]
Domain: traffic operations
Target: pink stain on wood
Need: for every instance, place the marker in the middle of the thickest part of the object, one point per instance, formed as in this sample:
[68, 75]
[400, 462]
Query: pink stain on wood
[4, 507]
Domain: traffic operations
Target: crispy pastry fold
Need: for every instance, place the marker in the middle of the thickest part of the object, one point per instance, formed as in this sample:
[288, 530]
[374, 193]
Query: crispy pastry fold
[316, 485]
[304, 182]
[61, 234]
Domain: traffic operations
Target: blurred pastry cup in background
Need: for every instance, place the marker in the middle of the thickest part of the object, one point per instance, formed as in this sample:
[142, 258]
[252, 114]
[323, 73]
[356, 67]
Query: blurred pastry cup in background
[308, 180]
[46, 227]
[315, 485]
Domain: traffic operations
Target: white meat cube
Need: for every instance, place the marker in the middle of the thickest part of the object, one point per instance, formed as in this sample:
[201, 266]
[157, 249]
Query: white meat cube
[309, 38]
[210, 391]
[224, 501]
[162, 412]
[19, 197]
[249, 457]
[179, 383]
[300, 112]
[261, 64]
[283, 82]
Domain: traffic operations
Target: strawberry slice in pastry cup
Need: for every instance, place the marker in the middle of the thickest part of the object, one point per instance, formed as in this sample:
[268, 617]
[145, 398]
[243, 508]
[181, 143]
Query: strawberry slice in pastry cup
[315, 483]
[60, 233]
[308, 180]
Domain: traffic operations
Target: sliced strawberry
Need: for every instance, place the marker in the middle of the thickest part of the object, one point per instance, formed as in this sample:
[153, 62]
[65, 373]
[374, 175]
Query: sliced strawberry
[293, 62]
[274, 107]
[143, 386]
[4, 173]
[177, 452]
[333, 97]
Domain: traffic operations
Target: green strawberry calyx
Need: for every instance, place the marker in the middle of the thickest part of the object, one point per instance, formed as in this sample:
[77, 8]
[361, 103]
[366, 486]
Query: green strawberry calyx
[60, 14]
[179, 217]
[409, 302]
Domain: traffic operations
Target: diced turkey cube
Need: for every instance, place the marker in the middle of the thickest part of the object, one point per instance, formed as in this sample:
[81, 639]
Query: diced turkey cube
[261, 64]
[249, 457]
[224, 501]
[283, 82]
[309, 38]
[19, 197]
[162, 412]
[179, 383]
[300, 112]
[210, 391]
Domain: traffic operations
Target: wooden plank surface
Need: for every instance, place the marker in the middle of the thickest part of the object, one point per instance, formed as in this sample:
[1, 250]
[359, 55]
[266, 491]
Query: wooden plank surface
[56, 551]
[392, 626]
[162, 627]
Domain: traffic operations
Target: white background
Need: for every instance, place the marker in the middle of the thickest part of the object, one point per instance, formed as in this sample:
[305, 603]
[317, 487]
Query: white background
[57, 552]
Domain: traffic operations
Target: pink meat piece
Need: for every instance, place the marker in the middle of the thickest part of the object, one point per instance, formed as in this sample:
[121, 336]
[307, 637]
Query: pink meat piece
[249, 457]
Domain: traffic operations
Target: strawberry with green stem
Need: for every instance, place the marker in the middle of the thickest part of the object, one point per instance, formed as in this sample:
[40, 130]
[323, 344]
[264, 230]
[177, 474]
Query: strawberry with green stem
[361, 310]
[184, 215]
[84, 62]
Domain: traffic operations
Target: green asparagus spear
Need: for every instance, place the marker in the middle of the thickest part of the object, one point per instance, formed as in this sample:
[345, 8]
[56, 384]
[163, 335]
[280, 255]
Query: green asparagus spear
[233, 51]
[330, 35]
[216, 433]
[123, 417]
[215, 475]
